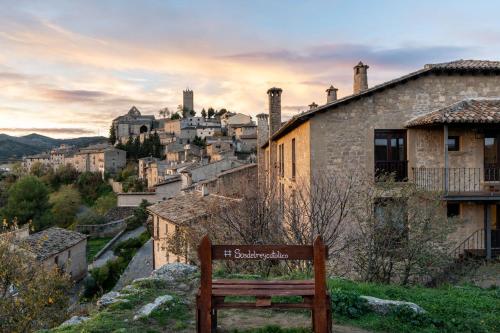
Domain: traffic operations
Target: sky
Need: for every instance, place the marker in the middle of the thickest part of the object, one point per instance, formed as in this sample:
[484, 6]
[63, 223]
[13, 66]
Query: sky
[67, 68]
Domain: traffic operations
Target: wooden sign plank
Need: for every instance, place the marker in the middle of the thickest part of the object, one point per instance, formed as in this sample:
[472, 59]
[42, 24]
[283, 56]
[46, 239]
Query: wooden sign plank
[262, 252]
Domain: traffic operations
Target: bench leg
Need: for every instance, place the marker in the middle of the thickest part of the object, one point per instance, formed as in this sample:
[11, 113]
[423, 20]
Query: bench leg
[214, 320]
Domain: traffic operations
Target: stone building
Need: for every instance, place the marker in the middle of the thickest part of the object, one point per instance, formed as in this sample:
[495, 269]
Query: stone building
[59, 247]
[438, 127]
[176, 215]
[101, 158]
[132, 124]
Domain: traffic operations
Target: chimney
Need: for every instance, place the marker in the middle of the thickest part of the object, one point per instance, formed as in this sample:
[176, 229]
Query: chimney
[331, 94]
[313, 106]
[274, 109]
[262, 128]
[360, 78]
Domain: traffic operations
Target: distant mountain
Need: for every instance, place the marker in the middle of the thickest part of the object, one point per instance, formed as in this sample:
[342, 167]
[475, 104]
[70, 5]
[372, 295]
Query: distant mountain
[15, 147]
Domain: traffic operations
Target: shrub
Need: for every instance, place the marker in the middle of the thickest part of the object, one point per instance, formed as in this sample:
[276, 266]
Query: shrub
[348, 303]
[90, 218]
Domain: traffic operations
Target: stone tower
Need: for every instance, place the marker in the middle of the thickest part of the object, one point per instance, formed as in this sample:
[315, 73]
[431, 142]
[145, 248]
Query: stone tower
[331, 94]
[360, 78]
[274, 95]
[262, 137]
[187, 100]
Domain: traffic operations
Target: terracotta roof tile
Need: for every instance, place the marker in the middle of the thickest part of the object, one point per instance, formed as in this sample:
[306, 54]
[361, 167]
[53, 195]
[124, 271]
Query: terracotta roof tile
[466, 111]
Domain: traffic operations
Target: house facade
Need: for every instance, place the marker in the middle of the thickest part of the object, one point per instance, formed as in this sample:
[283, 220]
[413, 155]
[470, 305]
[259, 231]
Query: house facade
[438, 127]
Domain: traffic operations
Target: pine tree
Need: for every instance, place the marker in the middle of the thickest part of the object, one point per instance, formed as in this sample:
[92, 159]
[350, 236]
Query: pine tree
[112, 135]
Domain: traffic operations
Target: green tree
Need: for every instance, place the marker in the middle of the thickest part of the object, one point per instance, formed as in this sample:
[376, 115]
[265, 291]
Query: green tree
[64, 175]
[28, 199]
[157, 148]
[165, 112]
[192, 113]
[112, 135]
[105, 203]
[91, 186]
[175, 116]
[211, 112]
[38, 169]
[42, 294]
[65, 204]
[221, 112]
[204, 113]
[199, 141]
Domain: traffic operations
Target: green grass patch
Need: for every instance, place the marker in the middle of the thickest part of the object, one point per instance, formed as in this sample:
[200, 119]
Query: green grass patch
[274, 329]
[449, 308]
[94, 245]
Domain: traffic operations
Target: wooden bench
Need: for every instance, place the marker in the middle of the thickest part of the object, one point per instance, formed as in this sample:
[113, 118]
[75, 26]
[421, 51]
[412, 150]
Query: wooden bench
[212, 293]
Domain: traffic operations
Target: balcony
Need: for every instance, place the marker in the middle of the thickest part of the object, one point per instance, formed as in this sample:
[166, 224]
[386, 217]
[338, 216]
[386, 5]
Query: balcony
[399, 169]
[456, 180]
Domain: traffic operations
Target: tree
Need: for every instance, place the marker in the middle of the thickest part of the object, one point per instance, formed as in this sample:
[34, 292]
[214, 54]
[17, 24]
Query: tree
[221, 112]
[32, 297]
[175, 116]
[157, 148]
[197, 141]
[28, 200]
[65, 204]
[402, 238]
[165, 112]
[112, 135]
[204, 113]
[38, 169]
[192, 113]
[104, 203]
[64, 175]
[91, 186]
[211, 112]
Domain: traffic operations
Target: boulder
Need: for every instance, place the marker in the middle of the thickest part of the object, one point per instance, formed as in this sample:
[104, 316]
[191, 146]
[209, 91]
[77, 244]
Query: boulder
[110, 298]
[150, 307]
[75, 320]
[174, 272]
[384, 306]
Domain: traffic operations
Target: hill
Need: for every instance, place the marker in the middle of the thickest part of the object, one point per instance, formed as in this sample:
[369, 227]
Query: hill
[15, 147]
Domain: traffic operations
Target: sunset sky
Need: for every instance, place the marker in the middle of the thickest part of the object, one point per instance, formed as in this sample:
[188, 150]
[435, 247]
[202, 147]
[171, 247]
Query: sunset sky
[67, 68]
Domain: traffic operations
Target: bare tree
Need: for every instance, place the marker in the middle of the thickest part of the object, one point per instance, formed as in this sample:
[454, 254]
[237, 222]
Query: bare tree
[400, 234]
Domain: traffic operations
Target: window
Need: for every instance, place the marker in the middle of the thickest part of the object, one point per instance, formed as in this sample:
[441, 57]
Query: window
[390, 153]
[157, 227]
[453, 143]
[281, 160]
[56, 260]
[453, 209]
[166, 228]
[293, 158]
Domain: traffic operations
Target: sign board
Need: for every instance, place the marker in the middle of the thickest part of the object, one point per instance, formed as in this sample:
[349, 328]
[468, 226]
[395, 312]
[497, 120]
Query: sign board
[262, 252]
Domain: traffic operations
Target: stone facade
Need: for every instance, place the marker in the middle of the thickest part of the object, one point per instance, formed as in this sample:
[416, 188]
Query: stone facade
[340, 137]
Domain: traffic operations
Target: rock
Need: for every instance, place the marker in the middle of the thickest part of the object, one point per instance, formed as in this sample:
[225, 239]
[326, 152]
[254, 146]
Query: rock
[174, 272]
[384, 306]
[75, 320]
[110, 298]
[150, 307]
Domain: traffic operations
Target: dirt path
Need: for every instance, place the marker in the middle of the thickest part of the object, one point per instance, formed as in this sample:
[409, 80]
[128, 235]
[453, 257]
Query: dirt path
[238, 319]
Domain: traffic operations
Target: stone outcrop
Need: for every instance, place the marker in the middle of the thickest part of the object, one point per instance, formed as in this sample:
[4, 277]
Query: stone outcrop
[384, 306]
[146, 310]
[75, 320]
[110, 298]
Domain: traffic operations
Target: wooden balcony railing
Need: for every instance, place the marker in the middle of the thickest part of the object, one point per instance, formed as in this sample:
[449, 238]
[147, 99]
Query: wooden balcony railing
[399, 169]
[448, 179]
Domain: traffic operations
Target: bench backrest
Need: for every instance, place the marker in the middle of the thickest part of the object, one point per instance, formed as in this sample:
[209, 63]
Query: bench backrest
[208, 252]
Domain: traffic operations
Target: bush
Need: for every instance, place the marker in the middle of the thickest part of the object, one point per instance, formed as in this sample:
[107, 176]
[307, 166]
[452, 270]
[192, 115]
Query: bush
[105, 203]
[140, 216]
[348, 303]
[90, 218]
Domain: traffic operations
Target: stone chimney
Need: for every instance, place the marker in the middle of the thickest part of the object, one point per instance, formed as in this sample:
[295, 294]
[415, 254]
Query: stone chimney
[360, 78]
[274, 95]
[262, 137]
[313, 106]
[331, 94]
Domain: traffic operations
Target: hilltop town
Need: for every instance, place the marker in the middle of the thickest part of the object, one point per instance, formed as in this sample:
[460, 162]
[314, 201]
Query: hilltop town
[121, 217]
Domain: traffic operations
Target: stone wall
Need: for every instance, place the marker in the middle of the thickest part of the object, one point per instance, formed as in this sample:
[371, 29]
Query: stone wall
[74, 259]
[103, 230]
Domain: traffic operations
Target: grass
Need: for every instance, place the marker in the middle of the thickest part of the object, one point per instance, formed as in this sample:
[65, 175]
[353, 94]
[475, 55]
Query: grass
[449, 308]
[94, 245]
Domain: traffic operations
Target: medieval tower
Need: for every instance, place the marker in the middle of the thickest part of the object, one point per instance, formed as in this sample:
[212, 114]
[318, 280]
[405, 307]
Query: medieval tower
[187, 100]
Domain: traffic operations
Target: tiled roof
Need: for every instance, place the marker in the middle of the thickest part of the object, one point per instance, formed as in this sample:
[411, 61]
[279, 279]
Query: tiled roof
[188, 208]
[466, 111]
[466, 64]
[49, 242]
[458, 66]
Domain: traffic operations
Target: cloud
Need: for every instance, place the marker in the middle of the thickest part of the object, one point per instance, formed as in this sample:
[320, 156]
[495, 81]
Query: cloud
[64, 130]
